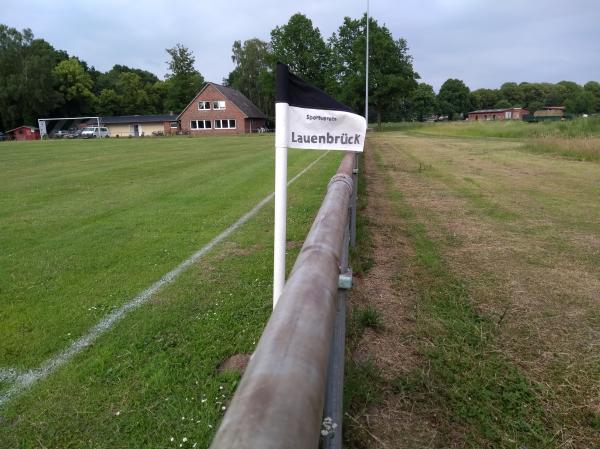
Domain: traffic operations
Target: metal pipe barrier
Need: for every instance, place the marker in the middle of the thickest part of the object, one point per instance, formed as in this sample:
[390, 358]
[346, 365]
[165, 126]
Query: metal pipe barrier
[280, 400]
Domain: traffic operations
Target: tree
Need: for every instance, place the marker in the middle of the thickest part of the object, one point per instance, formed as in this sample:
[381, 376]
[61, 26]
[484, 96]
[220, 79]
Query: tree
[453, 98]
[511, 93]
[301, 46]
[593, 87]
[533, 95]
[75, 85]
[484, 98]
[183, 80]
[582, 102]
[392, 78]
[253, 74]
[423, 101]
[27, 80]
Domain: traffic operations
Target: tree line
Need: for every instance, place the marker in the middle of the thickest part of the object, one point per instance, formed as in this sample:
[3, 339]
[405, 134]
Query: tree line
[36, 80]
[455, 99]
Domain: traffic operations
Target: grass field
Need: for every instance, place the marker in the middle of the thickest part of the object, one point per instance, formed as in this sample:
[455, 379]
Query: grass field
[573, 139]
[88, 225]
[485, 275]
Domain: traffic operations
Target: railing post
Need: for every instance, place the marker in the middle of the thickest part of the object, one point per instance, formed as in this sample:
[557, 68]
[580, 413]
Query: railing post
[353, 201]
[333, 414]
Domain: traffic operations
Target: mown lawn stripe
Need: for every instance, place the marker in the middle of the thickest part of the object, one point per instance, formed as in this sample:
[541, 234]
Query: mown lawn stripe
[25, 380]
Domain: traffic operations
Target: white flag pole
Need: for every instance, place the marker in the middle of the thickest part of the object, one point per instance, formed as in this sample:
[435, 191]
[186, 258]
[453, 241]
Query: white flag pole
[281, 144]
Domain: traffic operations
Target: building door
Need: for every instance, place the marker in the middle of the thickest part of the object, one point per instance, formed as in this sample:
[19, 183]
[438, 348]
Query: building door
[135, 129]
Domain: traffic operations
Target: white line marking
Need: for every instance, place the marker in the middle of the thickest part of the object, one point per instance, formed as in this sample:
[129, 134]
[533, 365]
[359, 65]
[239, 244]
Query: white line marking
[8, 374]
[25, 380]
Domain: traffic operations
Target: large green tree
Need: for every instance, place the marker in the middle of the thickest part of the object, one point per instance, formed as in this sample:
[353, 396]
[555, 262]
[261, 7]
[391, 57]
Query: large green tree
[511, 94]
[253, 74]
[423, 101]
[183, 80]
[27, 80]
[75, 86]
[484, 98]
[453, 99]
[593, 87]
[300, 45]
[392, 78]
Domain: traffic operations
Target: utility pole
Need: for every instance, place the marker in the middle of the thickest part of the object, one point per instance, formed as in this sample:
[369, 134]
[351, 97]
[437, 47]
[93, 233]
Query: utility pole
[367, 71]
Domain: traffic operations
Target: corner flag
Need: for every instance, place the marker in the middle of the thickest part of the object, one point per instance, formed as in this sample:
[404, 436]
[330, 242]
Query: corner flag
[305, 117]
[314, 119]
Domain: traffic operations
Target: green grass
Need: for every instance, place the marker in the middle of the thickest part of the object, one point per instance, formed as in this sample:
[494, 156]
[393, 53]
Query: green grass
[90, 224]
[516, 129]
[505, 271]
[465, 381]
[368, 317]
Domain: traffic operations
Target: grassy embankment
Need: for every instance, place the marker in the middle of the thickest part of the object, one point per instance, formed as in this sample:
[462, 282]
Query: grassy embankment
[494, 253]
[86, 225]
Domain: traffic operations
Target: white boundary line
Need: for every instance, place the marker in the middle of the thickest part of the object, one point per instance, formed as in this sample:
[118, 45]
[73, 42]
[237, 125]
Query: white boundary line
[8, 374]
[26, 380]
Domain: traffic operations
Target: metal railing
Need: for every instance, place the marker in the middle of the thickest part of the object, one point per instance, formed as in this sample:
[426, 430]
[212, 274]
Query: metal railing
[295, 377]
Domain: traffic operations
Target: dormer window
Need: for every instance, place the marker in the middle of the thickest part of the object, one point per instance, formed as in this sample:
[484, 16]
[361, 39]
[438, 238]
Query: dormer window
[218, 105]
[203, 105]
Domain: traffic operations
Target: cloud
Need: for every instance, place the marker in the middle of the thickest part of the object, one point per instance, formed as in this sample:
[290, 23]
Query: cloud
[483, 43]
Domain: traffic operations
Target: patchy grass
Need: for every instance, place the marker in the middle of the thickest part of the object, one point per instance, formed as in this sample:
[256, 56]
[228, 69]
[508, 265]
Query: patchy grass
[515, 129]
[465, 379]
[369, 317]
[577, 139]
[580, 149]
[505, 316]
[153, 377]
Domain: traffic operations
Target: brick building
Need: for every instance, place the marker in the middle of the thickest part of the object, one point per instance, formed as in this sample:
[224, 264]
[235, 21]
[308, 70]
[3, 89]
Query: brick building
[220, 110]
[498, 114]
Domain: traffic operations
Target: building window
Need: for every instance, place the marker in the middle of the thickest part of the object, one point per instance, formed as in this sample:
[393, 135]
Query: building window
[200, 124]
[174, 125]
[202, 105]
[225, 124]
[218, 105]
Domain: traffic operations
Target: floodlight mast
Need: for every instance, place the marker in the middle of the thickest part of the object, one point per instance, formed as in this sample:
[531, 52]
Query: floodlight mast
[367, 71]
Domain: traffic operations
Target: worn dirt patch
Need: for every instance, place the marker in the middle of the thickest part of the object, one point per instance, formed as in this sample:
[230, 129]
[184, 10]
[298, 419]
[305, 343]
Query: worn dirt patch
[236, 363]
[388, 288]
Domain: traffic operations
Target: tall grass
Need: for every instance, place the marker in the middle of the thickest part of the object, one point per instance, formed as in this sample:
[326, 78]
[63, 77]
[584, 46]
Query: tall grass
[578, 128]
[577, 139]
[581, 149]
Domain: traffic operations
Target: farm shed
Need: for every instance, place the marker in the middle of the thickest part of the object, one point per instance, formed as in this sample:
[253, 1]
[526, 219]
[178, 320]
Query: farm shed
[221, 110]
[498, 114]
[24, 133]
[141, 125]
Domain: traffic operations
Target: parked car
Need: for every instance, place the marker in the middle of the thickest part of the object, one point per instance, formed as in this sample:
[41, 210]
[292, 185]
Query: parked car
[61, 133]
[74, 133]
[94, 131]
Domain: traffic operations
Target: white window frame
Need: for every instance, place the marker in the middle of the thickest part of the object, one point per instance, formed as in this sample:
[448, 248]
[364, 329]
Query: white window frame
[228, 121]
[198, 128]
[220, 105]
[204, 103]
[176, 125]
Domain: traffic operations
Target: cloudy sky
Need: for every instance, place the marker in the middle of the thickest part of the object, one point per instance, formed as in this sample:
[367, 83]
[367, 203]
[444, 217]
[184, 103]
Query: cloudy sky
[483, 42]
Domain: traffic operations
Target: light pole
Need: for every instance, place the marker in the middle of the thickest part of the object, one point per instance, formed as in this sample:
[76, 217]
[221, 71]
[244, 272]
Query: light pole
[367, 71]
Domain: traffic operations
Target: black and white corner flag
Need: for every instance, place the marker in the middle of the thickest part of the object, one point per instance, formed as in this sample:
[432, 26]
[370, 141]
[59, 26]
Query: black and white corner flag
[309, 118]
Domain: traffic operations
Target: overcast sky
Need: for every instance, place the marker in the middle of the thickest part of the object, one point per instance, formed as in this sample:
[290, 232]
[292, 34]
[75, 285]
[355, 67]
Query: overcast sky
[482, 42]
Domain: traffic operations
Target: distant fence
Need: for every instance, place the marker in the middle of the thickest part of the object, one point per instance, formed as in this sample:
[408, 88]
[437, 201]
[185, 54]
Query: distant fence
[291, 393]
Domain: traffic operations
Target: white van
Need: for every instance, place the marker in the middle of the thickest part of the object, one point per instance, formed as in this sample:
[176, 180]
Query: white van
[92, 131]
